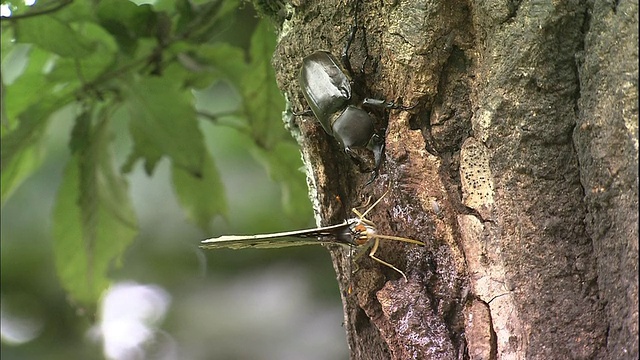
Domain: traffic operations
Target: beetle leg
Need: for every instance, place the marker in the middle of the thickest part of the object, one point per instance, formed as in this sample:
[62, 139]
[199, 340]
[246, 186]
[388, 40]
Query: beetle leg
[307, 112]
[364, 64]
[345, 52]
[376, 144]
[357, 159]
[386, 104]
[404, 108]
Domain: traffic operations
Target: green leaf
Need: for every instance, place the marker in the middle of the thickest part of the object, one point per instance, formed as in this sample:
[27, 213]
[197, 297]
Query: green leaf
[202, 197]
[284, 165]
[93, 219]
[76, 11]
[22, 164]
[201, 22]
[22, 147]
[127, 22]
[163, 122]
[193, 73]
[27, 117]
[263, 101]
[70, 71]
[228, 60]
[19, 95]
[53, 35]
[203, 64]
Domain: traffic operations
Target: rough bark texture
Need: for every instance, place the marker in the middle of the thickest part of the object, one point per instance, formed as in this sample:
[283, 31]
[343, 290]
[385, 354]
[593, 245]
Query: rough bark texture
[518, 169]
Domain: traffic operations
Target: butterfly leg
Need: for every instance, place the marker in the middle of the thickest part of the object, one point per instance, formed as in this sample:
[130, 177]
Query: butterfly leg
[373, 256]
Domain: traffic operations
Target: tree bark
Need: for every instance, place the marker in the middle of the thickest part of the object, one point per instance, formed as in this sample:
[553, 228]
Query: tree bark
[518, 168]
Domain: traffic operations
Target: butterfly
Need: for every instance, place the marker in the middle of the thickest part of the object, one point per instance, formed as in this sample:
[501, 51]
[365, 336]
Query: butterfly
[358, 232]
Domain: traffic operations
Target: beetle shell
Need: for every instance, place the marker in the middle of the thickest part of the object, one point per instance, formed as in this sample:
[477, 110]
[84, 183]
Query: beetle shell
[325, 86]
[353, 127]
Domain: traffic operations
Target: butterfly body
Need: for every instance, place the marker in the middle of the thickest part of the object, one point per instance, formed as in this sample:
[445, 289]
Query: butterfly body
[352, 232]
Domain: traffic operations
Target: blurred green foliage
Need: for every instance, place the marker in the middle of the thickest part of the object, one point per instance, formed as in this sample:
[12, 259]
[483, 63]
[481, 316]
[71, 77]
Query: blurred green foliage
[146, 59]
[182, 88]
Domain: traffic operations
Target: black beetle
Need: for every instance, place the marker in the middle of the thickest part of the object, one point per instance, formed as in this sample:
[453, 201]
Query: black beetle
[326, 85]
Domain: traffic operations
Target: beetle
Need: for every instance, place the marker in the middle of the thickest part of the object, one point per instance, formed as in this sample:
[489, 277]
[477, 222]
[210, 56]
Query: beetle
[327, 86]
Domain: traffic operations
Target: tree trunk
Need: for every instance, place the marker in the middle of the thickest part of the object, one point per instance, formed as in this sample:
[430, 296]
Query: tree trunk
[518, 168]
